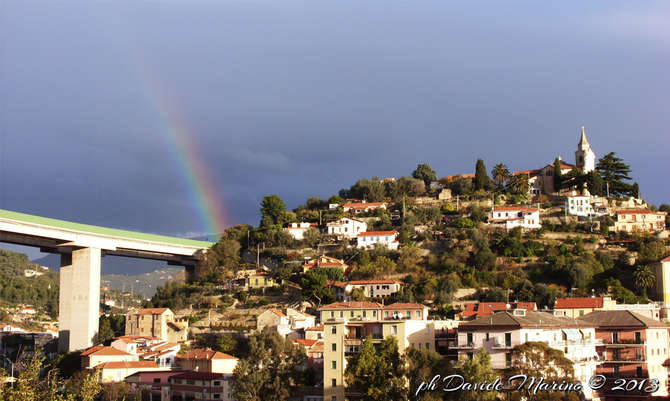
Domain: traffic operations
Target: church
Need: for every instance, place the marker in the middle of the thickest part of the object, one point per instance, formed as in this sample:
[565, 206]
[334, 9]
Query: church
[541, 181]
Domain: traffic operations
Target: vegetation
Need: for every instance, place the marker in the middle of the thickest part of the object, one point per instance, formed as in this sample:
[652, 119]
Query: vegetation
[377, 373]
[39, 291]
[615, 173]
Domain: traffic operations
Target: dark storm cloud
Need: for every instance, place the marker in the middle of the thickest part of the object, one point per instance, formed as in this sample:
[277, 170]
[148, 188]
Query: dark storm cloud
[301, 98]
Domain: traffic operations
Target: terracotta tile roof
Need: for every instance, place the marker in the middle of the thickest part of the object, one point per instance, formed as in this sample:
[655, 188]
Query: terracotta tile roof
[362, 205]
[532, 319]
[399, 305]
[305, 342]
[317, 347]
[620, 318]
[514, 208]
[635, 211]
[92, 350]
[166, 346]
[667, 259]
[369, 233]
[352, 305]
[524, 172]
[315, 328]
[578, 303]
[149, 311]
[278, 312]
[362, 282]
[482, 309]
[205, 353]
[128, 365]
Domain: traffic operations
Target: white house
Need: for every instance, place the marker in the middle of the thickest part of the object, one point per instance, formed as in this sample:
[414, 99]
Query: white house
[363, 207]
[298, 230]
[509, 217]
[347, 227]
[369, 239]
[371, 289]
[579, 205]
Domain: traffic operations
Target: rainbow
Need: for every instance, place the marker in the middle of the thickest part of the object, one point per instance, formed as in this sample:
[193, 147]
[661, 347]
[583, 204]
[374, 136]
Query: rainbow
[179, 136]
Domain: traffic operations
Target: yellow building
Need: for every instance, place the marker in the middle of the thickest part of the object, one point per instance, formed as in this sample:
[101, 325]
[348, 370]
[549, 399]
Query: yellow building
[641, 220]
[347, 324]
[156, 322]
[260, 280]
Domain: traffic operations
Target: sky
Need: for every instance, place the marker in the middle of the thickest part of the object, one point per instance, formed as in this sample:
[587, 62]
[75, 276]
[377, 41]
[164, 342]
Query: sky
[149, 115]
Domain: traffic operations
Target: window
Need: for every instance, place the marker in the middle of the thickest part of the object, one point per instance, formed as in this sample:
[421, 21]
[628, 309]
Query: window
[638, 370]
[418, 313]
[333, 347]
[488, 336]
[217, 396]
[394, 329]
[508, 359]
[374, 313]
[419, 345]
[341, 313]
[332, 314]
[333, 364]
[352, 313]
[216, 383]
[364, 313]
[157, 380]
[386, 314]
[470, 341]
[427, 346]
[508, 339]
[333, 330]
[334, 383]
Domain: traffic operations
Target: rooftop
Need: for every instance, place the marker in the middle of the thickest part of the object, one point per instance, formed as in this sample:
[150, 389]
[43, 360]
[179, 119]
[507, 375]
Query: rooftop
[128, 365]
[205, 353]
[578, 303]
[620, 319]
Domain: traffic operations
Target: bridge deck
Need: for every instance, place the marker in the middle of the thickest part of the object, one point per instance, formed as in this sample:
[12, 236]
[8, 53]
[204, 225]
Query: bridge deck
[91, 229]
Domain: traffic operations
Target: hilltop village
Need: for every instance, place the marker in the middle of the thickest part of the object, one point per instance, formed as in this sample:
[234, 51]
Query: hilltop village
[559, 271]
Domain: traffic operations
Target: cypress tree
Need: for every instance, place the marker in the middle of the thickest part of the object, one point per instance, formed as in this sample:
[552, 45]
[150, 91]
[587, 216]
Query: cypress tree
[558, 175]
[481, 176]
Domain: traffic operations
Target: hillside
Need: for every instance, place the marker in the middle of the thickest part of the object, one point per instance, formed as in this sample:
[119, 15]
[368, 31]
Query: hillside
[144, 284]
[22, 281]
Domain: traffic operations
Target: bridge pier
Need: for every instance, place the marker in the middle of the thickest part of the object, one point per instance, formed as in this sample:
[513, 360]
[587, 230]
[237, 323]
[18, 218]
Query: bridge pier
[79, 301]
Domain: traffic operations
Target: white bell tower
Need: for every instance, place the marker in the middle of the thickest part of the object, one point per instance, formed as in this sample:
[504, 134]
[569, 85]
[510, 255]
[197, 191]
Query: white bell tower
[585, 159]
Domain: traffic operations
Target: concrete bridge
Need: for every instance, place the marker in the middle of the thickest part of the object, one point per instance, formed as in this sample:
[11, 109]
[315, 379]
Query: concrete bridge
[81, 247]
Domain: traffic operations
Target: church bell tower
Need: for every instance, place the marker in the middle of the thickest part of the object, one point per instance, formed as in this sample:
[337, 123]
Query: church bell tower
[585, 159]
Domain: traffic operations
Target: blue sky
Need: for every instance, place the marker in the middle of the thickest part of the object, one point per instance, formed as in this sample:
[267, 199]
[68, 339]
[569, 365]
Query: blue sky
[301, 98]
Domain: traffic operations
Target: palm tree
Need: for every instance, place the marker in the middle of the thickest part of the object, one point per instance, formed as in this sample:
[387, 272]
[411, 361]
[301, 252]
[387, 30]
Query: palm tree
[500, 174]
[644, 278]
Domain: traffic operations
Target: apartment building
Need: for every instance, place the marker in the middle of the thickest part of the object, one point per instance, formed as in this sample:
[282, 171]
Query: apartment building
[348, 324]
[642, 220]
[631, 346]
[156, 322]
[202, 386]
[502, 331]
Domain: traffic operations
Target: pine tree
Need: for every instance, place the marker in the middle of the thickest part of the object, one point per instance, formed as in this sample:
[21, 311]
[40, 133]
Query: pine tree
[614, 172]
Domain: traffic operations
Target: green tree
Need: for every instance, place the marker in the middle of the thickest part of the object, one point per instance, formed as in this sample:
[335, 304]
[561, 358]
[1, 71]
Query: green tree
[615, 172]
[271, 372]
[595, 183]
[425, 173]
[635, 191]
[271, 209]
[481, 176]
[558, 175]
[477, 370]
[312, 237]
[105, 332]
[644, 278]
[537, 359]
[500, 174]
[314, 286]
[518, 184]
[218, 342]
[377, 373]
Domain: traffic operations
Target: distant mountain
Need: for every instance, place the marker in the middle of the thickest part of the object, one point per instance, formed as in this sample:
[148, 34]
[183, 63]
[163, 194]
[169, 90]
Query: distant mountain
[111, 264]
[143, 284]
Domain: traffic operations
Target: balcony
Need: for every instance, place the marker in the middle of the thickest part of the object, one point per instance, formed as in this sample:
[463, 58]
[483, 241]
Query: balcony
[501, 345]
[456, 345]
[623, 343]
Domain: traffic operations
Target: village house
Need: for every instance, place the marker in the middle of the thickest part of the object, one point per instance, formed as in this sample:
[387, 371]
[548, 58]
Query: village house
[475, 310]
[371, 288]
[577, 307]
[151, 381]
[363, 207]
[314, 333]
[510, 217]
[346, 227]
[298, 230]
[640, 220]
[163, 354]
[324, 261]
[156, 322]
[112, 372]
[261, 280]
[579, 205]
[631, 345]
[206, 360]
[99, 354]
[370, 239]
[293, 323]
[202, 386]
[313, 349]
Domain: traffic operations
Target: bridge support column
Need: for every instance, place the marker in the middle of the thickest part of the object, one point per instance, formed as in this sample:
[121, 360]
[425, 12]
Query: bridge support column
[79, 302]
